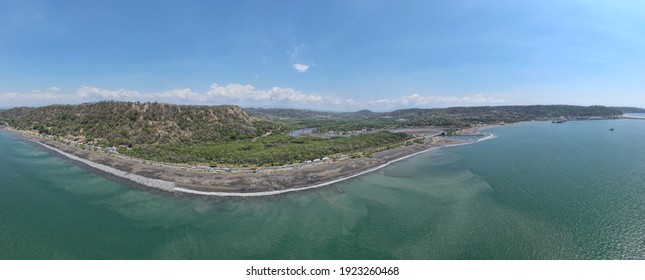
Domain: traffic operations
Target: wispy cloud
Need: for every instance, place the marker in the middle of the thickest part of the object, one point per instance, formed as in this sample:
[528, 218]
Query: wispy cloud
[93, 92]
[294, 57]
[417, 100]
[34, 98]
[293, 54]
[243, 95]
[301, 68]
[11, 97]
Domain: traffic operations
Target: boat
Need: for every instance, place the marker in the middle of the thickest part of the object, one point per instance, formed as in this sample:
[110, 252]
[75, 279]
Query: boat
[611, 129]
[560, 120]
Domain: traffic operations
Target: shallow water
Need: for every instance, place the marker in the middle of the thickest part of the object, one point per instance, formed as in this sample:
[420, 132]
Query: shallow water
[639, 115]
[538, 191]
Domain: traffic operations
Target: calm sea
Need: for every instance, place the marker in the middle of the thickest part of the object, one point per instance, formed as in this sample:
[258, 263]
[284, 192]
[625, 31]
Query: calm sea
[538, 191]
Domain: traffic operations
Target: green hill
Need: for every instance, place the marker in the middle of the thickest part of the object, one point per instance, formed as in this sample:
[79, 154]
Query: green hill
[466, 116]
[127, 123]
[629, 110]
[454, 117]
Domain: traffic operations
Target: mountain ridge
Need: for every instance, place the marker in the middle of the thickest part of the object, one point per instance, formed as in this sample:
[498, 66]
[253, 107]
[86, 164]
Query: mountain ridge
[108, 123]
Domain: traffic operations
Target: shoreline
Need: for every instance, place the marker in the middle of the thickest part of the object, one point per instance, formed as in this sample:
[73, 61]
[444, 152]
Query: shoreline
[627, 117]
[332, 181]
[265, 183]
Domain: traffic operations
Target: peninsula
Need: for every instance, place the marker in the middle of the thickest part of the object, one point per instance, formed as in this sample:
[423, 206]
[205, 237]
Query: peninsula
[228, 150]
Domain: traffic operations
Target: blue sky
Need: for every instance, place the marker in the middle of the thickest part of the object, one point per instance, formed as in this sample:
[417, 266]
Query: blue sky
[328, 55]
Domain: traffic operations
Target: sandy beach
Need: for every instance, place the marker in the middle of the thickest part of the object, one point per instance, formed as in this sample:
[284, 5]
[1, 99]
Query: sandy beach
[203, 181]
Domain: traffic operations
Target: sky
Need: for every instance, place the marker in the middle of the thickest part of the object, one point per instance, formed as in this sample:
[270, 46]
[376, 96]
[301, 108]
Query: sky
[325, 55]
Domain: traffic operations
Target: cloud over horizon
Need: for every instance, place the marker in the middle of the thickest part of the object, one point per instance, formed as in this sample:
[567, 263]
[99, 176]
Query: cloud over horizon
[242, 95]
[416, 99]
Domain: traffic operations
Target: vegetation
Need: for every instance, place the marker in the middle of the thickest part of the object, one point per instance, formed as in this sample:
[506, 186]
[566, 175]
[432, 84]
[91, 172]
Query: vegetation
[343, 125]
[449, 118]
[461, 117]
[132, 124]
[285, 114]
[267, 151]
[629, 110]
[229, 135]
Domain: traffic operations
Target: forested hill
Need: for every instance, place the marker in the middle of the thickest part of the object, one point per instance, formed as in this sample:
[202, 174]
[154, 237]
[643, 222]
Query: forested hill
[490, 113]
[456, 117]
[629, 110]
[465, 116]
[127, 123]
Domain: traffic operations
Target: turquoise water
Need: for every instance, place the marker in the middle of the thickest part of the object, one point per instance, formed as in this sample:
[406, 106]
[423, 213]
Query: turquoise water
[640, 115]
[538, 191]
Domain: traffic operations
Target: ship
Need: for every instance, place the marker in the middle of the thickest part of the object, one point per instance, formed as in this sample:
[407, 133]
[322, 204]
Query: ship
[559, 120]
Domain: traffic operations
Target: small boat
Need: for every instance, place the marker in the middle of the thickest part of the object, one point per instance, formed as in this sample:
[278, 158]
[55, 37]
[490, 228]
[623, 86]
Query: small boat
[611, 129]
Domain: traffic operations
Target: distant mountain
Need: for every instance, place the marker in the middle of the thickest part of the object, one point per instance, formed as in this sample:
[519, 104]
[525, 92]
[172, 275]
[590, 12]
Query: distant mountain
[281, 114]
[127, 123]
[362, 114]
[302, 114]
[450, 117]
[460, 116]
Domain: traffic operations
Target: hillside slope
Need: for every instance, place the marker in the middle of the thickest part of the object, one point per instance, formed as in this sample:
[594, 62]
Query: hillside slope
[127, 123]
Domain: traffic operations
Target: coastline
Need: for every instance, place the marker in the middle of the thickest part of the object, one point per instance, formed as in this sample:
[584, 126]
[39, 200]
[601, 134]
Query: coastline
[335, 180]
[264, 183]
[627, 117]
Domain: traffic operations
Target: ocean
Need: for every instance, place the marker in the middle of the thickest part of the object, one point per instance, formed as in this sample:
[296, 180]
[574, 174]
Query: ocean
[574, 190]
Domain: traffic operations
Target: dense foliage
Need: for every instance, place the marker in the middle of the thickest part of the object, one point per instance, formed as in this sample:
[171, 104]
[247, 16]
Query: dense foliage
[130, 124]
[629, 110]
[271, 150]
[467, 116]
[229, 135]
[343, 125]
[282, 114]
[455, 117]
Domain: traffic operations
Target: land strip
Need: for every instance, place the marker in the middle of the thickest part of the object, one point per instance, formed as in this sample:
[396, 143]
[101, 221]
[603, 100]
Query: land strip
[262, 181]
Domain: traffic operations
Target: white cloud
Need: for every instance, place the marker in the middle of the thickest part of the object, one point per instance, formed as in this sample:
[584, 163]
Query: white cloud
[237, 92]
[301, 68]
[33, 98]
[37, 95]
[294, 56]
[243, 95]
[181, 94]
